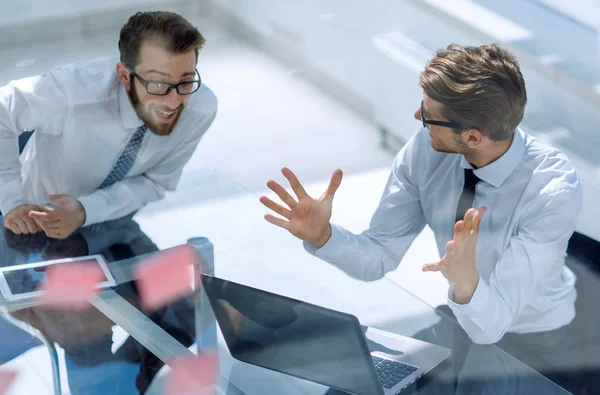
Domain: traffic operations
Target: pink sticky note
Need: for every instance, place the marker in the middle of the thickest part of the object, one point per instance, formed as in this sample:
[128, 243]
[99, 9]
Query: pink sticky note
[6, 380]
[70, 285]
[166, 277]
[193, 374]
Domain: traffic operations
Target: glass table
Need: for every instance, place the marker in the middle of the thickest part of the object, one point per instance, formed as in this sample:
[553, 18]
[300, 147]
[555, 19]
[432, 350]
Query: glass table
[117, 347]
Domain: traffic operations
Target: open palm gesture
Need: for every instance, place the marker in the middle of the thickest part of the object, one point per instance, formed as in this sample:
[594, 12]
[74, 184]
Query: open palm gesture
[459, 265]
[306, 218]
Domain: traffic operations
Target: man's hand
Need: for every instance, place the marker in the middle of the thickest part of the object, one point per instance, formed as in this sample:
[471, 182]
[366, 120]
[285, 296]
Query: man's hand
[307, 218]
[19, 222]
[60, 222]
[459, 264]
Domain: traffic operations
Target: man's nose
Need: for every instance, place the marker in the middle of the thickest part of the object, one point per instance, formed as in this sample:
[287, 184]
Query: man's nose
[172, 100]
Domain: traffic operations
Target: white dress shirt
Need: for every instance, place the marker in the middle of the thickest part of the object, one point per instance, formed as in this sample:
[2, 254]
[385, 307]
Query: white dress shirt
[533, 198]
[83, 120]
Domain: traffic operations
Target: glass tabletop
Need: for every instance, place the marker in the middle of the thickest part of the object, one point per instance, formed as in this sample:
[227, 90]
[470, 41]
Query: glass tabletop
[117, 346]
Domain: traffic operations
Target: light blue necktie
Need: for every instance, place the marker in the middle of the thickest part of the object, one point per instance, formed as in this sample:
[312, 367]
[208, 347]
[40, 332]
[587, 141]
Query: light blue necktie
[125, 161]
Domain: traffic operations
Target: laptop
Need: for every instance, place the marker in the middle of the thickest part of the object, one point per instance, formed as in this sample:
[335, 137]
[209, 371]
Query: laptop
[314, 343]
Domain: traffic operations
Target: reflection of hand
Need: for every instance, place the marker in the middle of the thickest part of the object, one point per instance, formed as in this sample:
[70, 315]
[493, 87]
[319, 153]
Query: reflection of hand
[25, 242]
[73, 246]
[307, 218]
[235, 317]
[60, 222]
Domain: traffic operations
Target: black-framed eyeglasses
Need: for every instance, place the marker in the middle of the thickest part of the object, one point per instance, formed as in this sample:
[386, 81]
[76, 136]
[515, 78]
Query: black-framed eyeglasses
[160, 88]
[452, 125]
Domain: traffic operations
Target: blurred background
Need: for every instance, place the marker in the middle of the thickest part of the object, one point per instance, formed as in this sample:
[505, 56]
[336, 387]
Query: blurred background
[320, 84]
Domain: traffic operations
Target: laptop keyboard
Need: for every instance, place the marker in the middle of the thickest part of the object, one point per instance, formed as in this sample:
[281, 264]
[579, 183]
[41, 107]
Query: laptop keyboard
[391, 373]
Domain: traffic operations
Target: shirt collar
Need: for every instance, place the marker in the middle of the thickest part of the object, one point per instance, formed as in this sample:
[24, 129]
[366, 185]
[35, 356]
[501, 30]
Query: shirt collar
[496, 172]
[129, 118]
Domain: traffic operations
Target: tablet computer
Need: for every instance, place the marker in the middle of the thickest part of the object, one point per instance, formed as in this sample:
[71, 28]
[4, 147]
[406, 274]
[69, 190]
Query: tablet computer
[22, 282]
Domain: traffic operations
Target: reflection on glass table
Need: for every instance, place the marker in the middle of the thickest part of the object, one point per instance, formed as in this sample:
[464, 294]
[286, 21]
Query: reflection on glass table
[114, 346]
[117, 347]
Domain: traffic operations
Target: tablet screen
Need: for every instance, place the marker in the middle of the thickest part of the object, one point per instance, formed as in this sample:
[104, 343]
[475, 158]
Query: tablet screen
[25, 280]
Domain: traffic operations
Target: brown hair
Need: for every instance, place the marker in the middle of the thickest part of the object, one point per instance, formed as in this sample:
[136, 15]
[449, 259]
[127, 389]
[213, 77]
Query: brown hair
[480, 87]
[167, 29]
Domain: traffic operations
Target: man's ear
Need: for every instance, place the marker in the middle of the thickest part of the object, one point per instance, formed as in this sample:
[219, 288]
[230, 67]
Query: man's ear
[124, 75]
[474, 137]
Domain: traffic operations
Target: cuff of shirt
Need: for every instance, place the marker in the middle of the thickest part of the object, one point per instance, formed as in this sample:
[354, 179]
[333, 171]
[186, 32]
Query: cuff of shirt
[8, 206]
[95, 208]
[331, 250]
[477, 303]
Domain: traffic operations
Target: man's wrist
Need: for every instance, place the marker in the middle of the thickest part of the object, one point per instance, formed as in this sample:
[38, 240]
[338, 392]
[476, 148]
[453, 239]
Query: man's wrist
[82, 217]
[324, 237]
[463, 293]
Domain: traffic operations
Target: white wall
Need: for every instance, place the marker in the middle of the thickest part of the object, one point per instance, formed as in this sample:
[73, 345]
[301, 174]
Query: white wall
[583, 11]
[18, 12]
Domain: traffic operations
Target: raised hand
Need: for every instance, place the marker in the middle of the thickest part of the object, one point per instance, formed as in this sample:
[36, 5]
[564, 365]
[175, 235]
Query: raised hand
[459, 265]
[306, 218]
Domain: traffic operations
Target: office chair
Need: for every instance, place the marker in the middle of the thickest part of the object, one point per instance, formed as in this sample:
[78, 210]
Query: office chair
[585, 250]
[54, 359]
[583, 258]
[16, 340]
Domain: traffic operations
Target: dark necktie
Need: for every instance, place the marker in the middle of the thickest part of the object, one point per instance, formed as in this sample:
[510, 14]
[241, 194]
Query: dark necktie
[466, 198]
[126, 159]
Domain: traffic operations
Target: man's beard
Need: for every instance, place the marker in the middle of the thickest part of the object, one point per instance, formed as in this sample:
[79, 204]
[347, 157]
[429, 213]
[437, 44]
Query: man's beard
[157, 129]
[460, 147]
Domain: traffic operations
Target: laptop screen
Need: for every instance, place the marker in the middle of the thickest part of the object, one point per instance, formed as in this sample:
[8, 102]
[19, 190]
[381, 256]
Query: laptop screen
[292, 337]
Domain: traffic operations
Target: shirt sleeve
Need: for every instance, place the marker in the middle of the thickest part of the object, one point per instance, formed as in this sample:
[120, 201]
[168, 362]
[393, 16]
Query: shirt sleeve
[538, 248]
[35, 103]
[395, 224]
[131, 194]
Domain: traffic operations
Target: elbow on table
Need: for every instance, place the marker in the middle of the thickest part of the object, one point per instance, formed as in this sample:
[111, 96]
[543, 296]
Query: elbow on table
[487, 337]
[374, 272]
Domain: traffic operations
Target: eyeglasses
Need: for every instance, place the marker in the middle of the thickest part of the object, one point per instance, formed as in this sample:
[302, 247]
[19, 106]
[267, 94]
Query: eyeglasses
[452, 125]
[159, 88]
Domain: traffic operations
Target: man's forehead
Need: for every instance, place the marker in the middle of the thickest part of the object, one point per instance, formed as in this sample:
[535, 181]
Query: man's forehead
[155, 58]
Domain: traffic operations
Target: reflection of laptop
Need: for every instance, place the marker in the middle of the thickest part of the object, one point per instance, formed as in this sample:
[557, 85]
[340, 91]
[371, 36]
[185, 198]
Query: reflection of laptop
[314, 343]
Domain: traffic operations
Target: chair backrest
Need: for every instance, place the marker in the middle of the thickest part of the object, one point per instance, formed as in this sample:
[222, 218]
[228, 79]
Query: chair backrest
[23, 139]
[586, 250]
[14, 341]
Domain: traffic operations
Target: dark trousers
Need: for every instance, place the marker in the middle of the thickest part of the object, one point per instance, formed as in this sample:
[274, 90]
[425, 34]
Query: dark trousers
[484, 369]
[555, 354]
[568, 356]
